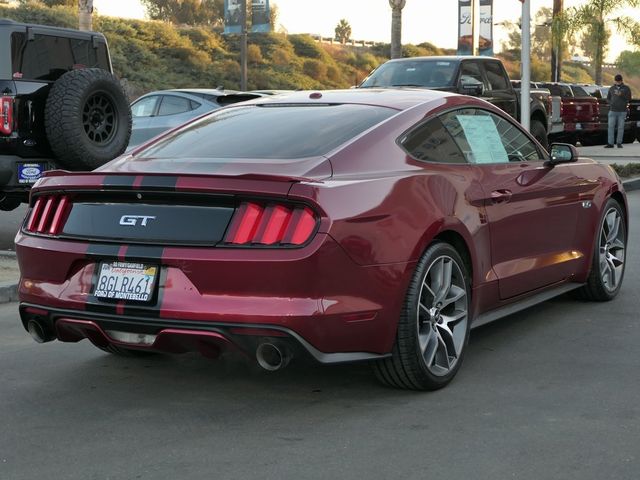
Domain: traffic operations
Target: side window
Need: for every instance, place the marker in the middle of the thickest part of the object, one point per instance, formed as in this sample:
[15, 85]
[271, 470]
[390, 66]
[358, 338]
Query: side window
[172, 105]
[47, 57]
[496, 76]
[484, 137]
[431, 142]
[145, 107]
[470, 73]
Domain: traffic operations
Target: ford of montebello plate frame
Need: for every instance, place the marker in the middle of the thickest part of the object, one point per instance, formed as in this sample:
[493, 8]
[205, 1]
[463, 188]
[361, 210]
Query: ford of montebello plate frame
[129, 281]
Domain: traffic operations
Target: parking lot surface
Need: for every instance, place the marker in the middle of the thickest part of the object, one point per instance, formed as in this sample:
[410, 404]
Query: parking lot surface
[551, 392]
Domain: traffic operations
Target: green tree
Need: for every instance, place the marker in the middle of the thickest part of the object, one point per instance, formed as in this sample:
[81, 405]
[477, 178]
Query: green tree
[629, 62]
[189, 12]
[592, 18]
[343, 31]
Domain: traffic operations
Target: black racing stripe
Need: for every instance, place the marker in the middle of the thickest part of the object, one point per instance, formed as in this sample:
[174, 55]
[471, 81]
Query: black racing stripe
[119, 181]
[152, 182]
[107, 250]
[151, 253]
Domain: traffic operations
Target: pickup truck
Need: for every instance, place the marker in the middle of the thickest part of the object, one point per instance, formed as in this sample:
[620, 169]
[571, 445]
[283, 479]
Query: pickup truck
[634, 116]
[579, 111]
[483, 77]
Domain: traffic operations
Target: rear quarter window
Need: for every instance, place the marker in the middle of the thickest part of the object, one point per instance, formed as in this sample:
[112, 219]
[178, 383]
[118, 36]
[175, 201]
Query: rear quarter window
[272, 131]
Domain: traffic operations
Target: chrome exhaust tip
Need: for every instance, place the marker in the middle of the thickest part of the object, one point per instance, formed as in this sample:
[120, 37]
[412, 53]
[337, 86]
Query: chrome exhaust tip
[39, 332]
[272, 357]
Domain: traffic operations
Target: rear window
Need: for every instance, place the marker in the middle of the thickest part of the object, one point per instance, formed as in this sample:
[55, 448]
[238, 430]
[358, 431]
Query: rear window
[558, 90]
[47, 57]
[579, 91]
[270, 132]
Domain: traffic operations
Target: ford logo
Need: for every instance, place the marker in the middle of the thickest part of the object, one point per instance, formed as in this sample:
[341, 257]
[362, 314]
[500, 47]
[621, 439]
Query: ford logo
[31, 172]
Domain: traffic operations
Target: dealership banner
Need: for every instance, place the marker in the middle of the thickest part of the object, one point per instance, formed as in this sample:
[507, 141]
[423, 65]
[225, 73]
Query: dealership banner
[260, 16]
[233, 16]
[485, 44]
[465, 27]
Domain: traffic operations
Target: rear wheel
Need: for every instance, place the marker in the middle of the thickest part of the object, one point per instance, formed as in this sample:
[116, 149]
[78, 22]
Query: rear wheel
[607, 268]
[629, 136]
[8, 203]
[434, 324]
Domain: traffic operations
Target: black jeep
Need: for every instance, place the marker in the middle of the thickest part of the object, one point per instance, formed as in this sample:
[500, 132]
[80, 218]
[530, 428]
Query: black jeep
[60, 105]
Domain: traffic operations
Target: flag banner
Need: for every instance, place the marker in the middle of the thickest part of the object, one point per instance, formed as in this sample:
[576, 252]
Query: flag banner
[233, 16]
[465, 27]
[260, 16]
[486, 28]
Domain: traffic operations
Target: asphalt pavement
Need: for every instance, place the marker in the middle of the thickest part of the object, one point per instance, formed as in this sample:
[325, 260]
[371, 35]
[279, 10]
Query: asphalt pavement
[549, 393]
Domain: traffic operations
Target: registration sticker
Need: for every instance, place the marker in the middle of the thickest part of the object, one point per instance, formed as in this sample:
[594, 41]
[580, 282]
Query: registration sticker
[126, 281]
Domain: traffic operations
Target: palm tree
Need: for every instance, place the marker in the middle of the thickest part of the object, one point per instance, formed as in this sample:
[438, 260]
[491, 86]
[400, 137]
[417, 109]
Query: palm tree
[557, 22]
[85, 11]
[343, 31]
[396, 27]
[593, 18]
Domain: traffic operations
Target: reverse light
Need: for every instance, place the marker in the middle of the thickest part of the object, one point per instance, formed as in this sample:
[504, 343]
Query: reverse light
[271, 225]
[6, 115]
[48, 215]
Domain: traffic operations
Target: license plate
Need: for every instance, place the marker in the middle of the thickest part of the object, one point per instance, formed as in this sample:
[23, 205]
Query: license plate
[28, 173]
[126, 281]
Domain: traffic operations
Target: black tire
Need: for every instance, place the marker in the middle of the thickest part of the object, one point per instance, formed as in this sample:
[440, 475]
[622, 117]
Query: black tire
[126, 352]
[9, 203]
[539, 133]
[87, 119]
[420, 331]
[599, 288]
[590, 140]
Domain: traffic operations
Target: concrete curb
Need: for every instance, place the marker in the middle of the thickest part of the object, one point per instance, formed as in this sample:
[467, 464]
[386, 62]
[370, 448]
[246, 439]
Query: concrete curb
[9, 290]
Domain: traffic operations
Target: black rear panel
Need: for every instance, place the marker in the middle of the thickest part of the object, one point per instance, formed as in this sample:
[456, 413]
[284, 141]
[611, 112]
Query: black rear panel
[148, 223]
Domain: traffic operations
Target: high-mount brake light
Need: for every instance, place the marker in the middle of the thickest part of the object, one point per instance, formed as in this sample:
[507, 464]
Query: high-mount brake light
[48, 215]
[255, 224]
[6, 115]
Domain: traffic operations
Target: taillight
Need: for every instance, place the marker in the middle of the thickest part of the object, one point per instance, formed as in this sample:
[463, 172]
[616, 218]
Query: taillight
[6, 115]
[48, 215]
[273, 225]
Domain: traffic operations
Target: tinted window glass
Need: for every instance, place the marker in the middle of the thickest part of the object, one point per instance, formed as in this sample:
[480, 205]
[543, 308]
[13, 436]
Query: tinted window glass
[470, 73]
[495, 75]
[424, 73]
[172, 105]
[484, 137]
[47, 57]
[273, 132]
[579, 92]
[558, 90]
[145, 107]
[433, 143]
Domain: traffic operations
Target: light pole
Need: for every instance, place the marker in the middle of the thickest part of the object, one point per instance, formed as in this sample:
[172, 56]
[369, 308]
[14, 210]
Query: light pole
[243, 45]
[396, 27]
[525, 88]
[556, 41]
[85, 12]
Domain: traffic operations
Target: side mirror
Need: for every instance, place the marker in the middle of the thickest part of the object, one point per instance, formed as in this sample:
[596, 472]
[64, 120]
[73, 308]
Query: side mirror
[470, 86]
[562, 153]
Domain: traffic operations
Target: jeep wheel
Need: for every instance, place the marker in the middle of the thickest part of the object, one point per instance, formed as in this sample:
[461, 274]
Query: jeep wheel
[8, 203]
[539, 133]
[87, 119]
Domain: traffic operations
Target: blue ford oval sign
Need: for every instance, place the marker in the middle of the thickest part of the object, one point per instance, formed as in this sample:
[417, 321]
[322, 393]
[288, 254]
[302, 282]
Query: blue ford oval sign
[29, 172]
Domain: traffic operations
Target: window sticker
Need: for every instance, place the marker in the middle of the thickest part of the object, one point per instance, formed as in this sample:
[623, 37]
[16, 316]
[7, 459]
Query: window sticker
[483, 139]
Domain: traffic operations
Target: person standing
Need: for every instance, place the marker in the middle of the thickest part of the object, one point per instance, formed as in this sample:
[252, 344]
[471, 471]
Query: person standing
[618, 97]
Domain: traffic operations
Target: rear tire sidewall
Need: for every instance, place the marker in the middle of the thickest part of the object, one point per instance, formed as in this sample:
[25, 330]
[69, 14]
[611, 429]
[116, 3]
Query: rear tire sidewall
[539, 133]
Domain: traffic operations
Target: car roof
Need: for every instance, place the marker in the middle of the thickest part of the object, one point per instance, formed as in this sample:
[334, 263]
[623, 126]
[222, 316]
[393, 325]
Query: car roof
[397, 98]
[444, 58]
[6, 22]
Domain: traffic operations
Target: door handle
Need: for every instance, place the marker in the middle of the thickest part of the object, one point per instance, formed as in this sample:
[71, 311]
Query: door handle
[501, 196]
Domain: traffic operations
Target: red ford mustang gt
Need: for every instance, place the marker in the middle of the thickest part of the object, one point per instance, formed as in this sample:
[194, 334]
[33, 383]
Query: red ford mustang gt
[343, 225]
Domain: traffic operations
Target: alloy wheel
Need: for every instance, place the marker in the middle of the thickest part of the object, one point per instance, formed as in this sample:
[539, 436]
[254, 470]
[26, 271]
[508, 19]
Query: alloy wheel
[442, 315]
[612, 249]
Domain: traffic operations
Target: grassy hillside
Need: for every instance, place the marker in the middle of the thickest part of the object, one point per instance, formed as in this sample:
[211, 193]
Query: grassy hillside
[151, 55]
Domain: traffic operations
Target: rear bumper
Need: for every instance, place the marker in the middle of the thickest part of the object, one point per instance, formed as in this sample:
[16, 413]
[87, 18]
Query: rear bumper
[316, 295]
[175, 336]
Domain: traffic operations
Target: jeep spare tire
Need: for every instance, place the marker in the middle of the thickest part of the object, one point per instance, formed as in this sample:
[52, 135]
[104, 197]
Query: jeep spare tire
[87, 119]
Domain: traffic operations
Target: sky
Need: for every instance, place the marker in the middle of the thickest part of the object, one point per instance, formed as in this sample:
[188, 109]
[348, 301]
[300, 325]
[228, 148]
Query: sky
[432, 21]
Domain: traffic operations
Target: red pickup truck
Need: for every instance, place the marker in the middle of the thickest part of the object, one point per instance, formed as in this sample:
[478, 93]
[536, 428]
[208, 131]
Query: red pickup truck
[579, 112]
